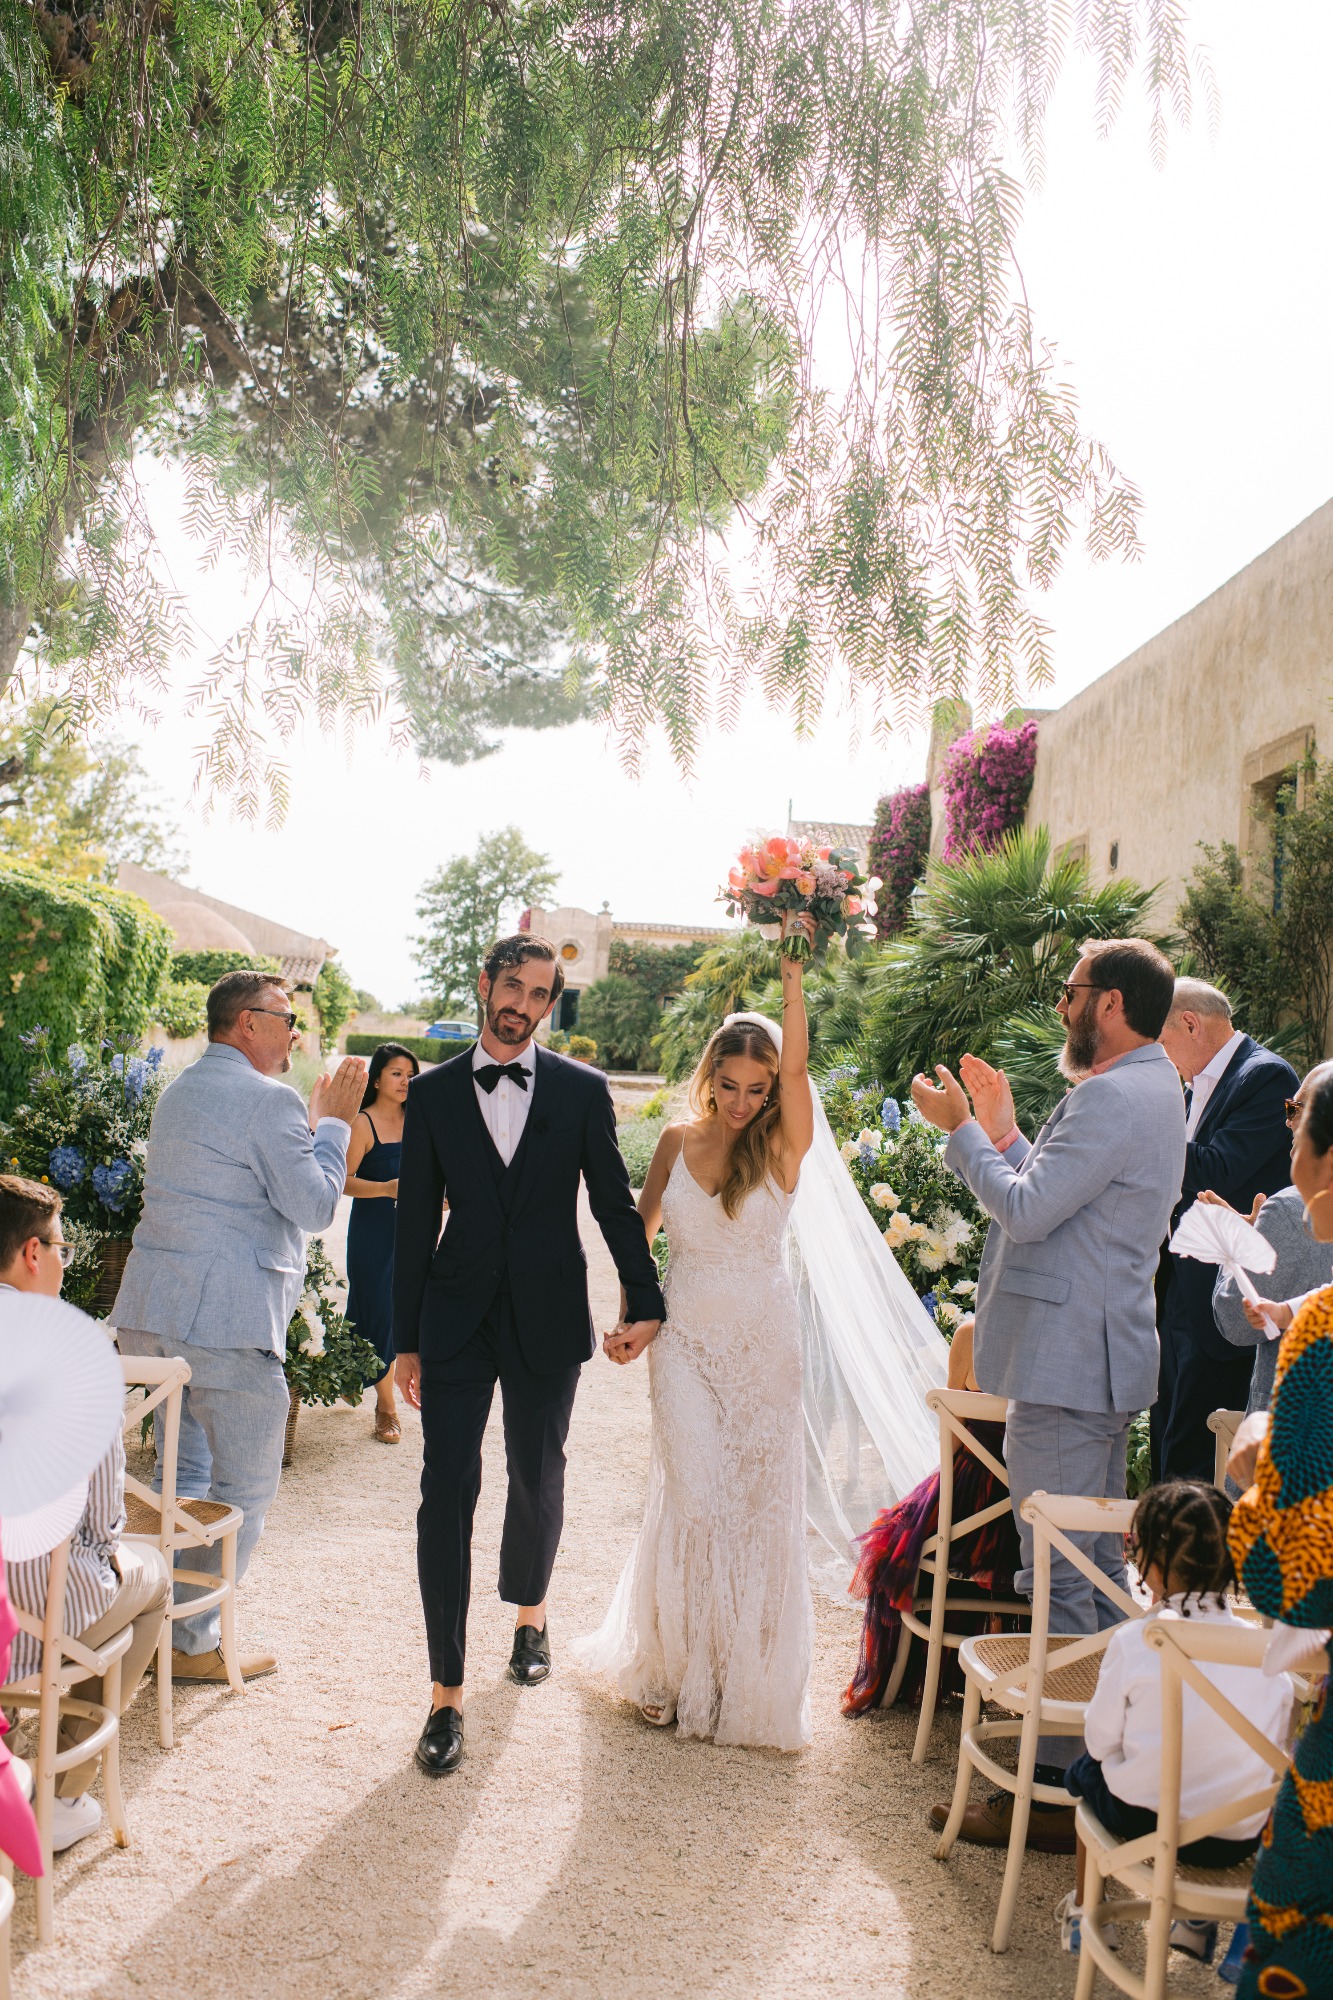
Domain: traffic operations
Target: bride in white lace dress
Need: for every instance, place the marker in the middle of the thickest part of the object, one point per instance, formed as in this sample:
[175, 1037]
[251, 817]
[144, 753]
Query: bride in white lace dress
[712, 1624]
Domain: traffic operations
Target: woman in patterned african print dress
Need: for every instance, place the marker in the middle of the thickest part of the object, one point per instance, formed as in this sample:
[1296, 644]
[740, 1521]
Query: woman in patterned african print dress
[1282, 1542]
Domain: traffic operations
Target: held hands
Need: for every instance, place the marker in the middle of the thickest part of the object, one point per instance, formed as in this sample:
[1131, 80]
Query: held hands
[797, 923]
[945, 1104]
[339, 1095]
[627, 1339]
[1245, 1449]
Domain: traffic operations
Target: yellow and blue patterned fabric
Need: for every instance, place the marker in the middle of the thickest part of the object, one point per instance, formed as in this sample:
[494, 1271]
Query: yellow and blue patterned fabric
[1282, 1542]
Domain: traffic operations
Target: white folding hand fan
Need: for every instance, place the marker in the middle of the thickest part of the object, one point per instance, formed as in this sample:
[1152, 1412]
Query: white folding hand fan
[1218, 1235]
[62, 1398]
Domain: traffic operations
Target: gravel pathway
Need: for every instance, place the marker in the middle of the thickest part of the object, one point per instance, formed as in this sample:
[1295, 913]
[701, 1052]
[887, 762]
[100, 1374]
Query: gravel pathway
[288, 1849]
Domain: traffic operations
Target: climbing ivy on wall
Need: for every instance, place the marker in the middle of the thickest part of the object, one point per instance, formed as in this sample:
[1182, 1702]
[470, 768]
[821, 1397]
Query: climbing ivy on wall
[76, 958]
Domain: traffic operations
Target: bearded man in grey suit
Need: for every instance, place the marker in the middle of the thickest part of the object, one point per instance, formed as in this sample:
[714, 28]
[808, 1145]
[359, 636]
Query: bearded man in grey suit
[237, 1175]
[1066, 1319]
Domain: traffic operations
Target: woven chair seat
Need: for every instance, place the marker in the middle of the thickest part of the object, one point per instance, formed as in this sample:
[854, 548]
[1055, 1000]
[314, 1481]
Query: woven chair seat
[1002, 1652]
[143, 1519]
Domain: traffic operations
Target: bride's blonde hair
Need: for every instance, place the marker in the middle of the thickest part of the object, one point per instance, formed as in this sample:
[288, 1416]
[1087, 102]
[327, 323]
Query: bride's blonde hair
[750, 1160]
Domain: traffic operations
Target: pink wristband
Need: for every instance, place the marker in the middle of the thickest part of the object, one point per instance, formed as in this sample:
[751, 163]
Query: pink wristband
[1011, 1138]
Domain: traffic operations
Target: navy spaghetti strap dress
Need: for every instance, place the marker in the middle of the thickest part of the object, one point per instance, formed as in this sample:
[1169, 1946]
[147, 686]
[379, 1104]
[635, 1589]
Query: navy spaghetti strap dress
[370, 1252]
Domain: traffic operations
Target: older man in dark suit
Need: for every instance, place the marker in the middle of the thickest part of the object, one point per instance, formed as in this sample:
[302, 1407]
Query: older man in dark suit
[1238, 1146]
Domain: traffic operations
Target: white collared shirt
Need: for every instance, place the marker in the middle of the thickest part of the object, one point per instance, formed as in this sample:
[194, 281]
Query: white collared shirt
[1206, 1082]
[505, 1109]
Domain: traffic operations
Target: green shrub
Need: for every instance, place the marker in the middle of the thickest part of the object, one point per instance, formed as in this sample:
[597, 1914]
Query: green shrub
[78, 959]
[421, 1046]
[656, 1107]
[334, 998]
[583, 1048]
[208, 966]
[638, 1139]
[622, 1017]
[182, 1007]
[326, 1357]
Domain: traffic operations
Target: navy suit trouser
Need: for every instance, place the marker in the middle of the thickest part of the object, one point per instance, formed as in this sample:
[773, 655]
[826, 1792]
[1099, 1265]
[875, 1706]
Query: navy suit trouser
[456, 1397]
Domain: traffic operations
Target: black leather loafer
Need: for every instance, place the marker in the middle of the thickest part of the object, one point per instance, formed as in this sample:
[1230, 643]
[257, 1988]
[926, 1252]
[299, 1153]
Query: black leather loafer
[440, 1745]
[530, 1661]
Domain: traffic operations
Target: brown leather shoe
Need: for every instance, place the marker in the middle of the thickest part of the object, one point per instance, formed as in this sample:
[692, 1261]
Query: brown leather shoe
[387, 1428]
[1050, 1828]
[212, 1666]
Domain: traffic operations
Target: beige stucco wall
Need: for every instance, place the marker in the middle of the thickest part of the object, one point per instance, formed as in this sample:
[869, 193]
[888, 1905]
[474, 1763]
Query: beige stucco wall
[1163, 751]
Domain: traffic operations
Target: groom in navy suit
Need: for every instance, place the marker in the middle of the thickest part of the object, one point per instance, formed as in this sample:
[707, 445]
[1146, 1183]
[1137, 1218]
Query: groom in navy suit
[502, 1132]
[1237, 1145]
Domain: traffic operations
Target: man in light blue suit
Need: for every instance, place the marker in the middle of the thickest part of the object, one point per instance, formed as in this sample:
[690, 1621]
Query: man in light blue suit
[1066, 1314]
[237, 1175]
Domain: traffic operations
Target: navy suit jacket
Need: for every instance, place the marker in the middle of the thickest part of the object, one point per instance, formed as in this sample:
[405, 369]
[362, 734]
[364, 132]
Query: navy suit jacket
[1242, 1148]
[525, 1238]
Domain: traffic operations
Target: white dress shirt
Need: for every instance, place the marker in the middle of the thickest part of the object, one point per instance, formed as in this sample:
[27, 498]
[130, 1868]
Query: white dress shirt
[1206, 1082]
[1123, 1724]
[505, 1109]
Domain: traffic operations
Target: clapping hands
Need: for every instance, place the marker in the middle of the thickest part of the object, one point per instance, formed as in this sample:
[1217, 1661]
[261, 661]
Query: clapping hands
[946, 1104]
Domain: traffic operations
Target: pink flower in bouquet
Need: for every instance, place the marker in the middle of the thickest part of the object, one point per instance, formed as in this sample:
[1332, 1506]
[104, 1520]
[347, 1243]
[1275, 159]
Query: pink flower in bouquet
[851, 906]
[763, 888]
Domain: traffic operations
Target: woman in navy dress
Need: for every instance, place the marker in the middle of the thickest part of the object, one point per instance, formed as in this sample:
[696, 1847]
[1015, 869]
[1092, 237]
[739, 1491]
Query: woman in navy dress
[372, 1181]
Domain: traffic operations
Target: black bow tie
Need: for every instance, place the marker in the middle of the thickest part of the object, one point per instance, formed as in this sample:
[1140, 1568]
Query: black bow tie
[490, 1075]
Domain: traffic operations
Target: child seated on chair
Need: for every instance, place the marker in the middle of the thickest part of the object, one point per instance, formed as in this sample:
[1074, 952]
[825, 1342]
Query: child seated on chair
[111, 1583]
[1178, 1544]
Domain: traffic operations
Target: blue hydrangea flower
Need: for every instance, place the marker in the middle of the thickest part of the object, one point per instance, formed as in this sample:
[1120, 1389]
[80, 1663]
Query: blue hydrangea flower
[929, 1301]
[890, 1117]
[109, 1184]
[66, 1166]
[77, 1058]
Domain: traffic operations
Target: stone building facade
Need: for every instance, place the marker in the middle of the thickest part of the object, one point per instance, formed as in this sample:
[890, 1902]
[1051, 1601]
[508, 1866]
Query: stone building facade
[583, 939]
[1186, 739]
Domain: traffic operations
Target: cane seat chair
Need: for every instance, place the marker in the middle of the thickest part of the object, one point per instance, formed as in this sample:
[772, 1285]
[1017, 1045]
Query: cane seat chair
[175, 1526]
[1044, 1680]
[1163, 1886]
[940, 1592]
[1223, 1424]
[65, 1662]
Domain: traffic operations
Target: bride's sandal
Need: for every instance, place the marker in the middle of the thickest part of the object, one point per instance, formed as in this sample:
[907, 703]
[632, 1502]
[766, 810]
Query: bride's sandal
[660, 1714]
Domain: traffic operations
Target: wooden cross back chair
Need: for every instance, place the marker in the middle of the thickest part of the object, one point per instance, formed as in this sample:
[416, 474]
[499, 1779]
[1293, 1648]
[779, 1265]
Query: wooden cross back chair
[1044, 1679]
[175, 1525]
[937, 1592]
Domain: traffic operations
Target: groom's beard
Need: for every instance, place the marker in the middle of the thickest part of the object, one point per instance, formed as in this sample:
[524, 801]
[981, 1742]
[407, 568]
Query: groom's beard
[509, 1026]
[1082, 1050]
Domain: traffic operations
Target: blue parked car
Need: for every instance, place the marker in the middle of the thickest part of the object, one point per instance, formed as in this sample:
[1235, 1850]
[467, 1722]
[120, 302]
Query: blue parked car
[452, 1031]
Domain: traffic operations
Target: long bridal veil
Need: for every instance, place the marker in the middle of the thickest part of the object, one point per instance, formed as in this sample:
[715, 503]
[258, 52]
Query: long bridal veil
[872, 1351]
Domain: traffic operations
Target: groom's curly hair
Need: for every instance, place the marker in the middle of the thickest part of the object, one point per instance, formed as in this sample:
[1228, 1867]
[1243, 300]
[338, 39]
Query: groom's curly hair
[750, 1161]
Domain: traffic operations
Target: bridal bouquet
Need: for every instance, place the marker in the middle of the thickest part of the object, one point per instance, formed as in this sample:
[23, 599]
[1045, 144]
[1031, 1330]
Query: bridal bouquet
[779, 875]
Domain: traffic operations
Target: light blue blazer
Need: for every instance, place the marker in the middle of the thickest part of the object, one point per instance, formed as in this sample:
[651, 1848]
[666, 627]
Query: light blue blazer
[1066, 1312]
[234, 1183]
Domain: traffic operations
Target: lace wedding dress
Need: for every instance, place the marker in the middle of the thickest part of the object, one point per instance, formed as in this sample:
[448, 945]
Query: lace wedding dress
[713, 1611]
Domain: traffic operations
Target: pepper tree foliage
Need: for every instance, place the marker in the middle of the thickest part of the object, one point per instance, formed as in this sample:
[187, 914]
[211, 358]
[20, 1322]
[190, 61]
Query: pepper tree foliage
[472, 327]
[79, 959]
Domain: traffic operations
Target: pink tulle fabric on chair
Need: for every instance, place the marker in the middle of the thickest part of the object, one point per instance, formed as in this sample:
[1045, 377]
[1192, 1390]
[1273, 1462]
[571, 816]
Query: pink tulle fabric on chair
[18, 1828]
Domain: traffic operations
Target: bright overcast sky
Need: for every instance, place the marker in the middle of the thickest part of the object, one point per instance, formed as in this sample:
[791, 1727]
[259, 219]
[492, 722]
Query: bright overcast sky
[1192, 309]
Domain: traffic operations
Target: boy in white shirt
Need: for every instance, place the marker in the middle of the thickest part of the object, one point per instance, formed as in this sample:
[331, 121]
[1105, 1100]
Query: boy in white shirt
[1179, 1542]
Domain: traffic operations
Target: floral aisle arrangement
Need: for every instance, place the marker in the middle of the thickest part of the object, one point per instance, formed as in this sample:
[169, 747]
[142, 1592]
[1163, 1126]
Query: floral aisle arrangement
[326, 1360]
[924, 1212]
[778, 877]
[83, 1128]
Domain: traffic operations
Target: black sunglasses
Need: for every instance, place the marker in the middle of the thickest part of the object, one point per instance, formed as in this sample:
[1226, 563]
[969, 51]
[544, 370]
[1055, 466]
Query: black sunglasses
[1073, 986]
[1294, 1109]
[290, 1019]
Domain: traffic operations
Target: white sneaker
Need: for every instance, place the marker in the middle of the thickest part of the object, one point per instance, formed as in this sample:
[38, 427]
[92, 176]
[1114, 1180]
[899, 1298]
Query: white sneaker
[73, 1820]
[1070, 1913]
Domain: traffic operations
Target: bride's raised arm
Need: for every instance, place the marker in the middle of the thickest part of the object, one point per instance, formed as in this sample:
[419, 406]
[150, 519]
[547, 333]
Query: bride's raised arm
[798, 1112]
